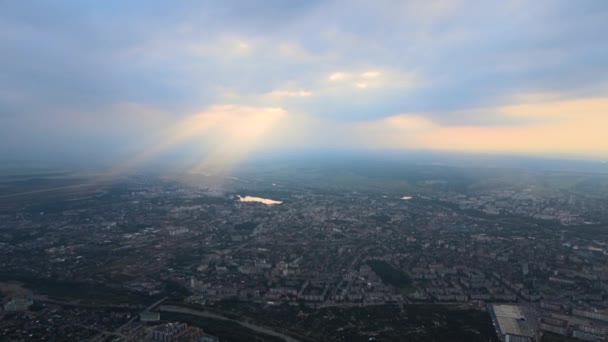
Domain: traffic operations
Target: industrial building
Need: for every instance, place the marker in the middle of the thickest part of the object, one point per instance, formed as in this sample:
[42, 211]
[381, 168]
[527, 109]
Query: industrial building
[510, 323]
[18, 304]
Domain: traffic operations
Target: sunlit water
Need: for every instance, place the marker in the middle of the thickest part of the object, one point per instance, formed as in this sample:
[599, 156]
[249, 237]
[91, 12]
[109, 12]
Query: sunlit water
[266, 201]
[407, 198]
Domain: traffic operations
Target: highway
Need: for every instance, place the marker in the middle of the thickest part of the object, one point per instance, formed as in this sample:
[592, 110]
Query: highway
[207, 314]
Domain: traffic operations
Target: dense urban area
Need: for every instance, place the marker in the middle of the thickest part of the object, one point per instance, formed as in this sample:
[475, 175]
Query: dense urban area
[306, 253]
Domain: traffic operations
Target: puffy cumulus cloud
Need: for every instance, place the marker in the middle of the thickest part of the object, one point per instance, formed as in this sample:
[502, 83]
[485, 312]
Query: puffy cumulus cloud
[324, 95]
[340, 84]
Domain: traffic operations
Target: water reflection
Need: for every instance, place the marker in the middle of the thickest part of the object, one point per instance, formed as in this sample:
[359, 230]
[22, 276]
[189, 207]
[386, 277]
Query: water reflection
[266, 201]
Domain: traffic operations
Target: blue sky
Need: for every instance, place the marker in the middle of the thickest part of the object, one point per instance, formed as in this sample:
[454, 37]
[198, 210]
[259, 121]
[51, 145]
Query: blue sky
[81, 77]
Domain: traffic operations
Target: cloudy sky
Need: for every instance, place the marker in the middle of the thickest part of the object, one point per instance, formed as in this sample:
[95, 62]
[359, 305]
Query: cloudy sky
[226, 78]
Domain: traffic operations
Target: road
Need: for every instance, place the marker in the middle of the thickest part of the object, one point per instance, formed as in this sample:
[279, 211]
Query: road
[118, 331]
[150, 307]
[207, 314]
[100, 331]
[32, 192]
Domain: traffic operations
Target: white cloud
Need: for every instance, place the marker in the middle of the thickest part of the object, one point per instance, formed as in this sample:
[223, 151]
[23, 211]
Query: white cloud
[337, 76]
[222, 47]
[291, 93]
[243, 46]
[295, 52]
[370, 74]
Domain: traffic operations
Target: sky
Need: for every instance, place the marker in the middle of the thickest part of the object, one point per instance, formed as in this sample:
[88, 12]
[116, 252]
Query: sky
[225, 79]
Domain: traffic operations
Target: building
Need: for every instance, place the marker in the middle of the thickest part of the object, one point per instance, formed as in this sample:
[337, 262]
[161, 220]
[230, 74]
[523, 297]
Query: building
[510, 323]
[18, 304]
[174, 332]
[554, 325]
[208, 338]
[518, 338]
[591, 313]
[149, 316]
[586, 336]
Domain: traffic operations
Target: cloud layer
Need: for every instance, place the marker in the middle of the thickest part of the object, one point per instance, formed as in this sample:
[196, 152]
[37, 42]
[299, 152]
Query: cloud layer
[512, 76]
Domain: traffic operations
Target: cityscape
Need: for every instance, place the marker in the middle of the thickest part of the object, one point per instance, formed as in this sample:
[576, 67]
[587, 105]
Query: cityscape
[304, 171]
[111, 261]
